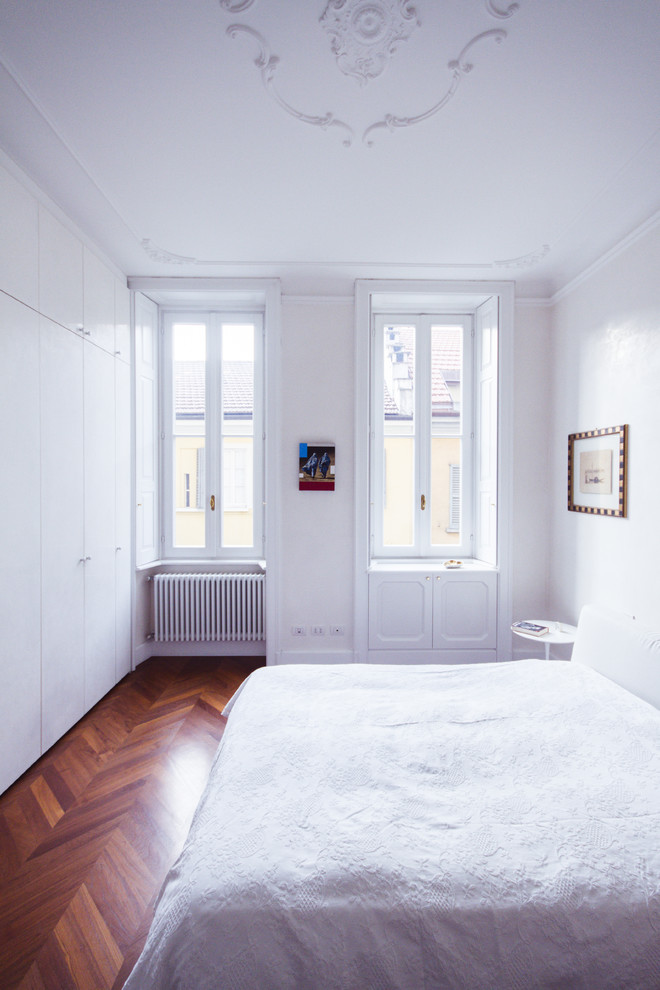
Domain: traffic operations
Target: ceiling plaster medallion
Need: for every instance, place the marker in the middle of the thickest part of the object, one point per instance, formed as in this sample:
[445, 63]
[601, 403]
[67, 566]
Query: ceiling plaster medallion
[373, 27]
[365, 33]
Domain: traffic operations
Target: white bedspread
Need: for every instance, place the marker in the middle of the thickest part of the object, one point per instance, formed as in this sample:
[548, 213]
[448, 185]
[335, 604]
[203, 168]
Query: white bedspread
[488, 826]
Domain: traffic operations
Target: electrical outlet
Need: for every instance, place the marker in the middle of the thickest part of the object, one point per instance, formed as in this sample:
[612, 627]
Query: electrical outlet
[297, 630]
[336, 630]
[318, 630]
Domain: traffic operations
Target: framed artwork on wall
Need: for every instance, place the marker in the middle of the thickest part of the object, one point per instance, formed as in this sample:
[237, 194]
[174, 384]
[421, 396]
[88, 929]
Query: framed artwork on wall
[316, 467]
[597, 471]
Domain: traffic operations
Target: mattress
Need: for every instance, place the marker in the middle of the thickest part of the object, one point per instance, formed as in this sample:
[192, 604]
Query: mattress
[484, 826]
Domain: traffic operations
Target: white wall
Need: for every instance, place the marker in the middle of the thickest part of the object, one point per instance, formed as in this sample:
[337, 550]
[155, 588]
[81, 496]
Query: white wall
[316, 545]
[531, 467]
[589, 360]
[605, 357]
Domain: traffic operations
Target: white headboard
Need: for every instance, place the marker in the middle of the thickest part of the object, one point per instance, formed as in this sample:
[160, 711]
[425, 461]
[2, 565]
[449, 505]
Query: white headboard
[622, 649]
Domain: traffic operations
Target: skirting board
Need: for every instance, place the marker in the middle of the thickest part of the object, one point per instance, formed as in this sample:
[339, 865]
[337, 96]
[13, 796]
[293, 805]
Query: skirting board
[216, 649]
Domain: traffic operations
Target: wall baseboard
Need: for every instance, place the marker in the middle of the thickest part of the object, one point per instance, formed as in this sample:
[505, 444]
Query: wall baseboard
[144, 651]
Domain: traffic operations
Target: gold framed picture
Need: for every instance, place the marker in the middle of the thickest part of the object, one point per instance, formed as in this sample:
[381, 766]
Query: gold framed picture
[597, 471]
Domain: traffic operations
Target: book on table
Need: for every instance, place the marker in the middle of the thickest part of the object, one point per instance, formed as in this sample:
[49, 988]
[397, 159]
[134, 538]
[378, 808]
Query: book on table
[530, 628]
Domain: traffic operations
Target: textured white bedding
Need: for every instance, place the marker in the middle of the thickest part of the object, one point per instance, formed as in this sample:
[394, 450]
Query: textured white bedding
[488, 826]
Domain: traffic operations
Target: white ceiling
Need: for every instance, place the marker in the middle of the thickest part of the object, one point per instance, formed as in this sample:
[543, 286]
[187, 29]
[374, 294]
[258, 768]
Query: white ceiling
[151, 124]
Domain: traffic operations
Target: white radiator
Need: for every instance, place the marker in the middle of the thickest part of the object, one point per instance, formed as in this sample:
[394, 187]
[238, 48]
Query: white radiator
[194, 608]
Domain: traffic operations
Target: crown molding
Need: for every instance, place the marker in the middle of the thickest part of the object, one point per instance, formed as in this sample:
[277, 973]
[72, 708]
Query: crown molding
[626, 242]
[525, 260]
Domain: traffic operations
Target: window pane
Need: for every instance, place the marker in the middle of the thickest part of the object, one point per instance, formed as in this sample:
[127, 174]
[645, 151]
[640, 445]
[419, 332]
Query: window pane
[446, 432]
[399, 436]
[237, 434]
[446, 366]
[189, 433]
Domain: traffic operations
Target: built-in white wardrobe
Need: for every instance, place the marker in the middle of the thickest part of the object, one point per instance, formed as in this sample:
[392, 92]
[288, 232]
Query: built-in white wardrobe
[65, 450]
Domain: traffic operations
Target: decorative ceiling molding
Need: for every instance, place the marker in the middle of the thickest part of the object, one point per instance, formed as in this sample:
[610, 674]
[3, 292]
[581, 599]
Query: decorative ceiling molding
[267, 65]
[165, 257]
[236, 6]
[459, 66]
[525, 260]
[377, 21]
[498, 12]
[365, 33]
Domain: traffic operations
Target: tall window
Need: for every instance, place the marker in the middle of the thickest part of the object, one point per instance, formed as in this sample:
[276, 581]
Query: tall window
[213, 432]
[422, 399]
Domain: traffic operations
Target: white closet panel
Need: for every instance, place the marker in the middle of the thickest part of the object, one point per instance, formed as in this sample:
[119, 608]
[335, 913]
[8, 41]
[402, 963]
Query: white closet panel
[20, 610]
[99, 461]
[62, 567]
[19, 245]
[123, 518]
[60, 272]
[99, 302]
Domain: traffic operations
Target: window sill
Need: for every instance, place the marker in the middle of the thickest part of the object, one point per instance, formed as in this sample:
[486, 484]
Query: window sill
[432, 566]
[240, 565]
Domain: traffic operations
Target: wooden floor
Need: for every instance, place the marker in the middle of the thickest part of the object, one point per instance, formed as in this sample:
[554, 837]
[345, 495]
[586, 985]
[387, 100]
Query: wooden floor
[89, 832]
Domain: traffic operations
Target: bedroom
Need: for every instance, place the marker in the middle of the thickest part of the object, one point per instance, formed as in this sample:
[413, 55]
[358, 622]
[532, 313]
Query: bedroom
[582, 142]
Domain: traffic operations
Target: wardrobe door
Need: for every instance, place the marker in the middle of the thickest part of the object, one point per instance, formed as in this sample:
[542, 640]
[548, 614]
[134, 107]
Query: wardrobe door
[20, 618]
[60, 272]
[62, 548]
[99, 302]
[99, 461]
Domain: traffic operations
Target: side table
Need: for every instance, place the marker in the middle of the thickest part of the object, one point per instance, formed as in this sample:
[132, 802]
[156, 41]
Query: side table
[560, 632]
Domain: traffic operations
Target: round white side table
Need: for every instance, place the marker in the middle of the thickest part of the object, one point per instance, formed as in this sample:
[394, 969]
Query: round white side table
[560, 632]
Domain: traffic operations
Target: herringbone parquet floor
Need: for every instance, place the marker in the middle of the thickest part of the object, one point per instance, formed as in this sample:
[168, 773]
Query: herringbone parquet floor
[89, 832]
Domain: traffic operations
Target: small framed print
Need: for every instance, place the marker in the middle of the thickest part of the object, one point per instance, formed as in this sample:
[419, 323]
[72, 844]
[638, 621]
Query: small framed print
[316, 467]
[597, 471]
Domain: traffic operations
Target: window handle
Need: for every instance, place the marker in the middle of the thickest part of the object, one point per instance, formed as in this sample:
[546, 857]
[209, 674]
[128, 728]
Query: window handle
[212, 503]
[423, 502]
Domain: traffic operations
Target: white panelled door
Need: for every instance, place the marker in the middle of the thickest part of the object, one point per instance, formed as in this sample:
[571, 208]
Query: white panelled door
[20, 661]
[100, 546]
[62, 537]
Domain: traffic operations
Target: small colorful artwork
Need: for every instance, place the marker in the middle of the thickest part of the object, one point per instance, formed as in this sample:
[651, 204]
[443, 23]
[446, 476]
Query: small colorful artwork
[316, 467]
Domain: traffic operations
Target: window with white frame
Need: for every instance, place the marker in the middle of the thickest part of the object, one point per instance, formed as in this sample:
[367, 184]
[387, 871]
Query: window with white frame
[213, 434]
[421, 434]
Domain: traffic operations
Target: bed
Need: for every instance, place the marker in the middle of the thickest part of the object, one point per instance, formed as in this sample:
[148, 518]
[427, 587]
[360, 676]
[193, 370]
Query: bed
[483, 826]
